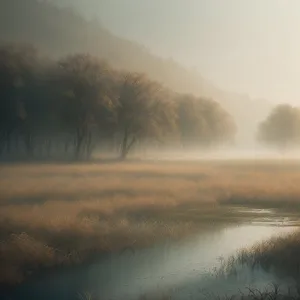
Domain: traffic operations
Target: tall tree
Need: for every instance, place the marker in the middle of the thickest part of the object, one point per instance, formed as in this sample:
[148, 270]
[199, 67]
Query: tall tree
[145, 111]
[85, 83]
[19, 69]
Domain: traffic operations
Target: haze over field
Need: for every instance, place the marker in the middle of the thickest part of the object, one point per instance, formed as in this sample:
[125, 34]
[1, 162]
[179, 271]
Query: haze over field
[207, 48]
[237, 53]
[250, 47]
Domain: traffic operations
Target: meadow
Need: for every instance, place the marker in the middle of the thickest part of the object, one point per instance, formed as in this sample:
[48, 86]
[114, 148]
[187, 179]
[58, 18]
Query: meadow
[57, 215]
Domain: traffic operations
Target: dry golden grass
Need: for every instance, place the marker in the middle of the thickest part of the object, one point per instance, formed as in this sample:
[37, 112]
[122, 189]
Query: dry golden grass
[279, 255]
[54, 215]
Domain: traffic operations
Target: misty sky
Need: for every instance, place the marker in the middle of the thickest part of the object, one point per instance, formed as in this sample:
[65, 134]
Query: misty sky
[248, 46]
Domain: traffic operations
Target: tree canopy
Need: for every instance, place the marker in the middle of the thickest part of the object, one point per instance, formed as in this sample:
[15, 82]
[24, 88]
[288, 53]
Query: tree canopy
[71, 106]
[144, 111]
[203, 121]
[281, 129]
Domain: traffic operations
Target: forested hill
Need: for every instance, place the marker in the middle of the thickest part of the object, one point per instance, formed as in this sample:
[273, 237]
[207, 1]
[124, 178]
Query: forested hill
[58, 31]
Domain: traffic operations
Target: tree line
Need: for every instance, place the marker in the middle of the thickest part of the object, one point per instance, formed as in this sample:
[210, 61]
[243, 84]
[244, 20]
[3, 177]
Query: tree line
[77, 104]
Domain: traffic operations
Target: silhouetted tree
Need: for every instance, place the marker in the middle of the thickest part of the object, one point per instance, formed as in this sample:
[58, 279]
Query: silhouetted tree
[86, 103]
[144, 111]
[19, 70]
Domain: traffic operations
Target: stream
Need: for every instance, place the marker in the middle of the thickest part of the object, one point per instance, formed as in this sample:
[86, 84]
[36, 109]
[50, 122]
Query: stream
[180, 269]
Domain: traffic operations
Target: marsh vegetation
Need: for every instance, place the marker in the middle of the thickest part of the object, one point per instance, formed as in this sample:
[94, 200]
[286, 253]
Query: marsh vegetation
[55, 216]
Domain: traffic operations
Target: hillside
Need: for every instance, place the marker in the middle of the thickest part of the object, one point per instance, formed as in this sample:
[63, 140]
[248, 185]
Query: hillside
[58, 31]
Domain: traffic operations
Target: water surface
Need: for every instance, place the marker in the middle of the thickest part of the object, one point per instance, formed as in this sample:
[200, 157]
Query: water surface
[180, 268]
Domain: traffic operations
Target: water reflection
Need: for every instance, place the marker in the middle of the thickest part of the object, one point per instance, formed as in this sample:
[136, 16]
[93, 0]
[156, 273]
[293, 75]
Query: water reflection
[183, 265]
[170, 265]
[246, 210]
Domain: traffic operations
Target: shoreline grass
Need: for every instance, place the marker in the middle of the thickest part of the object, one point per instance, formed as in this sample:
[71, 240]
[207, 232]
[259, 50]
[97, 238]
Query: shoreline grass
[278, 255]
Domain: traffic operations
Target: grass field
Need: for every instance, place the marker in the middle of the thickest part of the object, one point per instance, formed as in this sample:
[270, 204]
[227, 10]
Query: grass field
[61, 214]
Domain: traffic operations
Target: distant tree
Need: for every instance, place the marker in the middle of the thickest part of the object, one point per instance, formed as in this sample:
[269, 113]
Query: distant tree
[86, 102]
[281, 129]
[144, 111]
[19, 70]
[203, 122]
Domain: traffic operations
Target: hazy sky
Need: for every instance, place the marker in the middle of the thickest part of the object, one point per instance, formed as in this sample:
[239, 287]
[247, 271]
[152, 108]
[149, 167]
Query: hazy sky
[249, 46]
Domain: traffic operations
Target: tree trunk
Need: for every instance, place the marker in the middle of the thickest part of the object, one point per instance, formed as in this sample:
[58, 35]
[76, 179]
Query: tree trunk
[124, 145]
[49, 147]
[89, 148]
[8, 142]
[78, 143]
[78, 148]
[126, 148]
[2, 145]
[28, 144]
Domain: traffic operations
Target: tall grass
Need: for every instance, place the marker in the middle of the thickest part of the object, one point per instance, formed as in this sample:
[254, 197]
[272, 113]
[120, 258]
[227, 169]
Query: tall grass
[279, 255]
[56, 215]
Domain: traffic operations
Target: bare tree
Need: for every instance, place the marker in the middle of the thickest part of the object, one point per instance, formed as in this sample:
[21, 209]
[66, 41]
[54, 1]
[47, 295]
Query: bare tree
[144, 111]
[86, 101]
